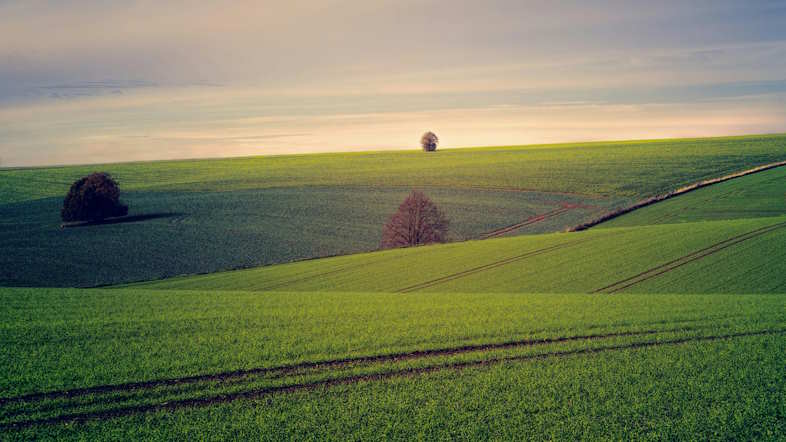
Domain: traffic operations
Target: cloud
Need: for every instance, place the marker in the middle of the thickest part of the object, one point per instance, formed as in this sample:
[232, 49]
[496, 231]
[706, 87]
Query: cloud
[78, 74]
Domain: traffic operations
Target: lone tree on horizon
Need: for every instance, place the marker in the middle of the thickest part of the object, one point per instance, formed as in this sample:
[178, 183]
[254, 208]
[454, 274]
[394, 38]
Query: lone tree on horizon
[418, 221]
[93, 198]
[429, 141]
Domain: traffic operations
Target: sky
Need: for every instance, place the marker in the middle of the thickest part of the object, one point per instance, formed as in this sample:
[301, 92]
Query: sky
[107, 81]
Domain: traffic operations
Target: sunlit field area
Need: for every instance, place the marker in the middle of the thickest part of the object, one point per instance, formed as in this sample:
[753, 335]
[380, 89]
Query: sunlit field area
[665, 322]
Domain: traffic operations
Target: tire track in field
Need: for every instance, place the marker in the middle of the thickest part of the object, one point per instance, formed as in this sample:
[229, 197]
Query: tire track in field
[529, 221]
[689, 258]
[185, 385]
[341, 362]
[332, 363]
[355, 379]
[489, 266]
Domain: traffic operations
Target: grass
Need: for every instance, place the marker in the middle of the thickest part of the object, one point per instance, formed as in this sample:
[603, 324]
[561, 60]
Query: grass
[56, 338]
[675, 328]
[729, 389]
[553, 168]
[59, 339]
[551, 263]
[207, 232]
[246, 212]
[759, 195]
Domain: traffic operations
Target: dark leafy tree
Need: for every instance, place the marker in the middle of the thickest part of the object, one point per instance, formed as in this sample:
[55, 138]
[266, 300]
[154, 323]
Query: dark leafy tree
[93, 198]
[418, 221]
[429, 141]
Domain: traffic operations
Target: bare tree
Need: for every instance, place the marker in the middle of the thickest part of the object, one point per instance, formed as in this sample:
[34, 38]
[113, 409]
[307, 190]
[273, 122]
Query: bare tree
[429, 141]
[418, 221]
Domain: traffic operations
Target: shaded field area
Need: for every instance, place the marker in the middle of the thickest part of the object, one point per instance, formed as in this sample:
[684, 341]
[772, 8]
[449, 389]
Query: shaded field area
[737, 256]
[247, 212]
[202, 232]
[206, 353]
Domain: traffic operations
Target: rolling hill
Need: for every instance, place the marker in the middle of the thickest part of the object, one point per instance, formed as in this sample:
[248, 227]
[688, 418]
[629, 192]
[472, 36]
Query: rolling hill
[667, 322]
[205, 216]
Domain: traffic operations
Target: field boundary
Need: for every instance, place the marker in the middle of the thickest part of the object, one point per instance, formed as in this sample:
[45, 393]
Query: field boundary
[359, 378]
[680, 191]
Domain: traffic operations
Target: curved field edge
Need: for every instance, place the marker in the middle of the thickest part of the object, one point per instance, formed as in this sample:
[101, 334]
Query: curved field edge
[757, 195]
[675, 193]
[271, 210]
[549, 263]
[203, 232]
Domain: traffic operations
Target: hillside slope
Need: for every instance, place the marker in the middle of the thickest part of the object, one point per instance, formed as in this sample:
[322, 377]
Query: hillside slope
[212, 215]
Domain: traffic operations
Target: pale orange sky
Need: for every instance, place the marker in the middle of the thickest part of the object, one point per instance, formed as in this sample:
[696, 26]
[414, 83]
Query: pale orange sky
[88, 81]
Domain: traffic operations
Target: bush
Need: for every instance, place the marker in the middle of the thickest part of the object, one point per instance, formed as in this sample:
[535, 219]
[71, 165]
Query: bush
[93, 198]
[429, 141]
[418, 221]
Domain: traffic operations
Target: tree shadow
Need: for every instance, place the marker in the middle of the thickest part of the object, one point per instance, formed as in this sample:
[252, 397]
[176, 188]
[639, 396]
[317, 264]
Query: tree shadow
[122, 219]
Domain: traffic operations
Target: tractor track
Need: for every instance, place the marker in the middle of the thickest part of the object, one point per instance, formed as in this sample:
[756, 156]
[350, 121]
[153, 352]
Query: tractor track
[340, 362]
[686, 259]
[529, 221]
[332, 363]
[321, 384]
[489, 266]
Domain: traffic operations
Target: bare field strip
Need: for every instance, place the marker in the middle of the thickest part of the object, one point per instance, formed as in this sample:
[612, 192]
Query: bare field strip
[695, 256]
[257, 393]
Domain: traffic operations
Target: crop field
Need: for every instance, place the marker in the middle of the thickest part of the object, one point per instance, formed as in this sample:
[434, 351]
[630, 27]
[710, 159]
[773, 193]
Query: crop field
[204, 353]
[204, 232]
[203, 216]
[668, 322]
[749, 255]
[728, 387]
[761, 194]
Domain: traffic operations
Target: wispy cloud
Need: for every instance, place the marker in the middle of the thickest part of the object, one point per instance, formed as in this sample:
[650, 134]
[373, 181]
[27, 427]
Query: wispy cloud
[79, 76]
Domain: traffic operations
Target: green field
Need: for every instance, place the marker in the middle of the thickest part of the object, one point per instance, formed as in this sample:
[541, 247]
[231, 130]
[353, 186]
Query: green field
[739, 256]
[212, 215]
[667, 323]
[140, 335]
[761, 194]
[713, 390]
